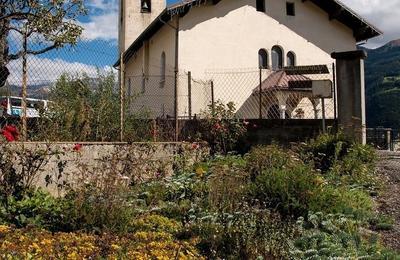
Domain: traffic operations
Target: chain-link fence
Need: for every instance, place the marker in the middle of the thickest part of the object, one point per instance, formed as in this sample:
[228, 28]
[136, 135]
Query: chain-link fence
[281, 94]
[73, 94]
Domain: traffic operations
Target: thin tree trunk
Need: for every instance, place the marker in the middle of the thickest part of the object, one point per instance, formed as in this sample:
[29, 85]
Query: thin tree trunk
[4, 28]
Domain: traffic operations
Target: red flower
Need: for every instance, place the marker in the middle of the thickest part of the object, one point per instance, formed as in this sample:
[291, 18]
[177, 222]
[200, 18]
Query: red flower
[195, 146]
[217, 126]
[77, 147]
[10, 132]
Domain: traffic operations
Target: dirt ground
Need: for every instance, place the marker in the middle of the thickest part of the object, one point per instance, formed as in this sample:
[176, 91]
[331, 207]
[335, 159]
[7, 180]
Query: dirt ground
[389, 199]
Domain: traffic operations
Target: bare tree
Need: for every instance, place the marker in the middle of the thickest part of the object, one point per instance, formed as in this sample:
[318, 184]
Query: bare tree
[53, 22]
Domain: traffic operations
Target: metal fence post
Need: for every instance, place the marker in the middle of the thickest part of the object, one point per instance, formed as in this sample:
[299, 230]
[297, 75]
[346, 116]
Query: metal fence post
[122, 95]
[212, 99]
[260, 96]
[190, 94]
[24, 87]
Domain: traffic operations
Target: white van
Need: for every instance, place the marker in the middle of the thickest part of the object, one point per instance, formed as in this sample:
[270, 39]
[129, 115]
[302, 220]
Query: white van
[12, 107]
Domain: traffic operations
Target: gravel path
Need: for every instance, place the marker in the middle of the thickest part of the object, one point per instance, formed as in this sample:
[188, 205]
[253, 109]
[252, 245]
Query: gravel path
[389, 200]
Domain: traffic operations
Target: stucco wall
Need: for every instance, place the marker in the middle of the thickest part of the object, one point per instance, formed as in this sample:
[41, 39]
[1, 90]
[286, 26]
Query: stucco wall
[228, 36]
[134, 22]
[157, 97]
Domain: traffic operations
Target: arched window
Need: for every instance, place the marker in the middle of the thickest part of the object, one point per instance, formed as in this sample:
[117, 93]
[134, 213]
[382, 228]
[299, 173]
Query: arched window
[291, 59]
[262, 59]
[277, 58]
[162, 70]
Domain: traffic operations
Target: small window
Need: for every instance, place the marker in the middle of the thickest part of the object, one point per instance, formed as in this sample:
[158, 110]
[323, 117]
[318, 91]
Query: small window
[145, 6]
[262, 59]
[290, 9]
[162, 70]
[260, 5]
[277, 58]
[291, 59]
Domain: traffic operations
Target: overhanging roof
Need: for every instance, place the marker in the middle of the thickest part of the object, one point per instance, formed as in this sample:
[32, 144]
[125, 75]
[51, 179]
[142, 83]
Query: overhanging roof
[362, 29]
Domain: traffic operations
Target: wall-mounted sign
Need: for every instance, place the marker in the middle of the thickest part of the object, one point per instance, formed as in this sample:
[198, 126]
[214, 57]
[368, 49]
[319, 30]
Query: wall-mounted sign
[322, 88]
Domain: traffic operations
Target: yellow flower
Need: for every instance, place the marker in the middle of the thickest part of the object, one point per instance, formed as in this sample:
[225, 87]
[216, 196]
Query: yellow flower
[4, 229]
[115, 247]
[200, 172]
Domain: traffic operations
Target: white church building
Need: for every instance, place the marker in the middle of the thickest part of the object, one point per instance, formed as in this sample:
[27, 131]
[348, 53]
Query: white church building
[215, 37]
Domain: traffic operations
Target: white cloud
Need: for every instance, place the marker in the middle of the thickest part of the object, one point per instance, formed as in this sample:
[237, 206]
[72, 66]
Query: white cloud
[103, 20]
[101, 27]
[43, 70]
[382, 13]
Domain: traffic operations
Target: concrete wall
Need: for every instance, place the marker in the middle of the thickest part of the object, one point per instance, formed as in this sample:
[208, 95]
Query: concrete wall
[136, 161]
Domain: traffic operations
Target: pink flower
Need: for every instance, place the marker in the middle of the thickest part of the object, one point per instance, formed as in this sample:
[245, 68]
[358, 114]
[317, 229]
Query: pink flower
[77, 147]
[195, 146]
[246, 123]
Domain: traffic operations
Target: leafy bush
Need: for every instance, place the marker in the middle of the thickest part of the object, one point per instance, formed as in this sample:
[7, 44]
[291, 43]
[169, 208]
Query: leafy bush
[83, 109]
[336, 236]
[37, 208]
[227, 183]
[356, 168]
[19, 169]
[245, 234]
[288, 190]
[220, 127]
[325, 150]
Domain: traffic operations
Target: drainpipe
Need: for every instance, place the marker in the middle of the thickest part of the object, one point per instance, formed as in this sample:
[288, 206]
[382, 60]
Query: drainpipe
[176, 79]
[176, 73]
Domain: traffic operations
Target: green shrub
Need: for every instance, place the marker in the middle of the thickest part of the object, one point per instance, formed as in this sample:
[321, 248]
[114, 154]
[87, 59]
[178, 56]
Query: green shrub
[335, 236]
[288, 190]
[351, 202]
[220, 127]
[37, 208]
[245, 234]
[227, 183]
[325, 150]
[262, 158]
[356, 168]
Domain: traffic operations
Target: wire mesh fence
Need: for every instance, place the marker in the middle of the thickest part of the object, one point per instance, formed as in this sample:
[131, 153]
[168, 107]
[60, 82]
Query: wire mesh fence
[73, 94]
[281, 94]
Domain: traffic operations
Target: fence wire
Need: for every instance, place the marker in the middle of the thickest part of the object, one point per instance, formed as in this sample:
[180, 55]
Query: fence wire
[74, 95]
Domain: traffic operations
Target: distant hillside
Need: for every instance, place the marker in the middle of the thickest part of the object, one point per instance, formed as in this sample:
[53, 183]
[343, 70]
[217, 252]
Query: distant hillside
[382, 76]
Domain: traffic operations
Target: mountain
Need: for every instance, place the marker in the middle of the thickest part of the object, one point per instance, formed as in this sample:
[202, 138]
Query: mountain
[382, 80]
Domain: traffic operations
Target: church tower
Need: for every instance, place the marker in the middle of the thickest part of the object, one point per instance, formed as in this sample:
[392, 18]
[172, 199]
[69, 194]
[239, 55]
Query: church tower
[134, 17]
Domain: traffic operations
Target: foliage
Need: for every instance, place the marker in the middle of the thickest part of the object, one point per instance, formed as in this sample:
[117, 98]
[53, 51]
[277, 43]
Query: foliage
[220, 127]
[325, 150]
[336, 236]
[245, 234]
[38, 209]
[86, 109]
[19, 168]
[226, 207]
[382, 70]
[52, 23]
[41, 244]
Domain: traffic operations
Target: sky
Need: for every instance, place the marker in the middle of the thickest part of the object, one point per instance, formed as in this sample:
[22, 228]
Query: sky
[98, 48]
